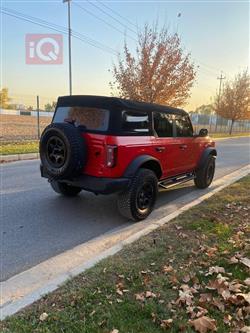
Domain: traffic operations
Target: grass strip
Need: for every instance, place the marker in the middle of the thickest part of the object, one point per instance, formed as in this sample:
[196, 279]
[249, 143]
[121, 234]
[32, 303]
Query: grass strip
[20, 147]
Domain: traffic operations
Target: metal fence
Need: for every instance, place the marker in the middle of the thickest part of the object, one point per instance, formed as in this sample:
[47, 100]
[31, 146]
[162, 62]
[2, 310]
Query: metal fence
[16, 125]
[217, 124]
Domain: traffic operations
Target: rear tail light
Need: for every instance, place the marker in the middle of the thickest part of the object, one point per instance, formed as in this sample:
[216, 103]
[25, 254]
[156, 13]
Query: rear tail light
[111, 155]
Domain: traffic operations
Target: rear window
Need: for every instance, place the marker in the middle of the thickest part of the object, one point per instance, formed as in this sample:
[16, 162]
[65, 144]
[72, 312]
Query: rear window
[88, 117]
[135, 122]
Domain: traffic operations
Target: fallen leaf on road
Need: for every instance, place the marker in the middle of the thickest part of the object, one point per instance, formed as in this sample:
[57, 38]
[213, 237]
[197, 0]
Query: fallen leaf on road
[204, 324]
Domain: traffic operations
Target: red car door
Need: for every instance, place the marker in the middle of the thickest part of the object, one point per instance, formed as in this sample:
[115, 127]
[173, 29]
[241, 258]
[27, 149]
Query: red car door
[186, 148]
[163, 142]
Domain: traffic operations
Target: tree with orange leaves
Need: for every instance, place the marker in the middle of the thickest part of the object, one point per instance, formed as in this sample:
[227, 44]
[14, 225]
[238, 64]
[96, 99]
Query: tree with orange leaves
[160, 72]
[234, 102]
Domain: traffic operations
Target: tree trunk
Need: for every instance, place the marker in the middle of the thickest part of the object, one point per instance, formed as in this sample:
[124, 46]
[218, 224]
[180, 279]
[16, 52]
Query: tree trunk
[231, 127]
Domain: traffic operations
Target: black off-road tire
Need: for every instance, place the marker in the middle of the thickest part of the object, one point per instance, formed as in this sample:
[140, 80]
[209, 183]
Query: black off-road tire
[74, 146]
[65, 189]
[204, 176]
[129, 200]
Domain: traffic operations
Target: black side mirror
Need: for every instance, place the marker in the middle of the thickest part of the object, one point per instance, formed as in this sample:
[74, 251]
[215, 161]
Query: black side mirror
[203, 132]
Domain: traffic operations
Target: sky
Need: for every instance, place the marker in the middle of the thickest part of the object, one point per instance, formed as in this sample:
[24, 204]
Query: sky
[215, 33]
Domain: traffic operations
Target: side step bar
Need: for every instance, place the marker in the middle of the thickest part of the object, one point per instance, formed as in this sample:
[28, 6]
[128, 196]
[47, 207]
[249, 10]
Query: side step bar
[174, 181]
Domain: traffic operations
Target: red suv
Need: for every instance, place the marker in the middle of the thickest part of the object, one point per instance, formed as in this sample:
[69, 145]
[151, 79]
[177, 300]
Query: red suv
[106, 145]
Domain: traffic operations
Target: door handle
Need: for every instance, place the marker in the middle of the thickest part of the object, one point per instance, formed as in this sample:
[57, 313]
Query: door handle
[182, 147]
[160, 149]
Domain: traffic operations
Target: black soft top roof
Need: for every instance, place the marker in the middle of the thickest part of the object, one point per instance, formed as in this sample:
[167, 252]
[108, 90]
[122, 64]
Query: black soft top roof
[114, 102]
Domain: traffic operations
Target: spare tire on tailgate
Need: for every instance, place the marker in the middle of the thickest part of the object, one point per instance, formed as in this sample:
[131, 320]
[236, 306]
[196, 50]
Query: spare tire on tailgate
[63, 151]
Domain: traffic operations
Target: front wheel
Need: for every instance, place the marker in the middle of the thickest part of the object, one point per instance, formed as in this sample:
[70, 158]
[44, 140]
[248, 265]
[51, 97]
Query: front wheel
[205, 175]
[138, 201]
[65, 189]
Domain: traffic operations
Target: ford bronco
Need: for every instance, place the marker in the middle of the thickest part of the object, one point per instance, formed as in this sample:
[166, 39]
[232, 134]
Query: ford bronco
[110, 145]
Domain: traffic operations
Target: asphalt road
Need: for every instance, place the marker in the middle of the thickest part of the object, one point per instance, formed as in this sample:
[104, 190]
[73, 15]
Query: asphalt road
[37, 224]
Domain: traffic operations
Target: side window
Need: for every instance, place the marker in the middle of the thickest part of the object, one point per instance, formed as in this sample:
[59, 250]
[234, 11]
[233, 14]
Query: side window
[163, 124]
[183, 127]
[135, 121]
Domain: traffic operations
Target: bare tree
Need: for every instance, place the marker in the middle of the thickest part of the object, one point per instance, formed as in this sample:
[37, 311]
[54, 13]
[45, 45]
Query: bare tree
[234, 102]
[160, 72]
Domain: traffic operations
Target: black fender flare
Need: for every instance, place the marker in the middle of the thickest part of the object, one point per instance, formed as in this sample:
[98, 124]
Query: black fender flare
[208, 151]
[147, 160]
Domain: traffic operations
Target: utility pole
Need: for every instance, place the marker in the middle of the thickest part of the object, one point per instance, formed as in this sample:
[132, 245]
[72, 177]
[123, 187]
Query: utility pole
[69, 44]
[220, 86]
[38, 116]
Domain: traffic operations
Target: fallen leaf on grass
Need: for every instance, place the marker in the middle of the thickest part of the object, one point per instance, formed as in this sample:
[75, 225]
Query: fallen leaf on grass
[167, 269]
[245, 261]
[185, 296]
[92, 313]
[149, 294]
[119, 292]
[215, 269]
[245, 329]
[140, 297]
[186, 278]
[114, 331]
[246, 297]
[227, 319]
[204, 324]
[43, 316]
[216, 302]
[247, 281]
[166, 323]
[205, 298]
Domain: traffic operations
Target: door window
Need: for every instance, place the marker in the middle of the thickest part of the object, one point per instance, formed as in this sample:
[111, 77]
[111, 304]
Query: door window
[163, 124]
[184, 127]
[135, 122]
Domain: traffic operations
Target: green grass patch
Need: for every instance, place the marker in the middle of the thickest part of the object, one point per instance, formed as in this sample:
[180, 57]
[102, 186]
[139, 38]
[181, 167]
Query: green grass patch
[20, 147]
[227, 135]
[181, 252]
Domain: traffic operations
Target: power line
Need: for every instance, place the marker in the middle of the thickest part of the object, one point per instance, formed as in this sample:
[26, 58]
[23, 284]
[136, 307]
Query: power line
[58, 28]
[102, 20]
[116, 13]
[111, 16]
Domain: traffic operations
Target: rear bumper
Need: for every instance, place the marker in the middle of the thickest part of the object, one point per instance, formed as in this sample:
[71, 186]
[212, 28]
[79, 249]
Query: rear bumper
[96, 185]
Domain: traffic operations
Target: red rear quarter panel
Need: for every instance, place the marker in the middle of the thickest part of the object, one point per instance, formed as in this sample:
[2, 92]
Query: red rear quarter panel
[129, 147]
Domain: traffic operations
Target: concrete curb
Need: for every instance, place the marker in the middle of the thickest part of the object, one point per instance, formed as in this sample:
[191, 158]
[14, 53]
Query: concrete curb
[18, 157]
[25, 288]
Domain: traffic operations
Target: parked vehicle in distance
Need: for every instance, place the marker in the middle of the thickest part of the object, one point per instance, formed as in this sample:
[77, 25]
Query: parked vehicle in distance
[110, 145]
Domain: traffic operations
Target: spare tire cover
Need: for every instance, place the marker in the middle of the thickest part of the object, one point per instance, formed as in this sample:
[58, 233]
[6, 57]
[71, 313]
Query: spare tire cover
[63, 151]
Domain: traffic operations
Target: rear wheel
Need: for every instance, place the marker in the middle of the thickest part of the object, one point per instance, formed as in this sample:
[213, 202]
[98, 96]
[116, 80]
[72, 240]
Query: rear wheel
[205, 175]
[137, 202]
[65, 189]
